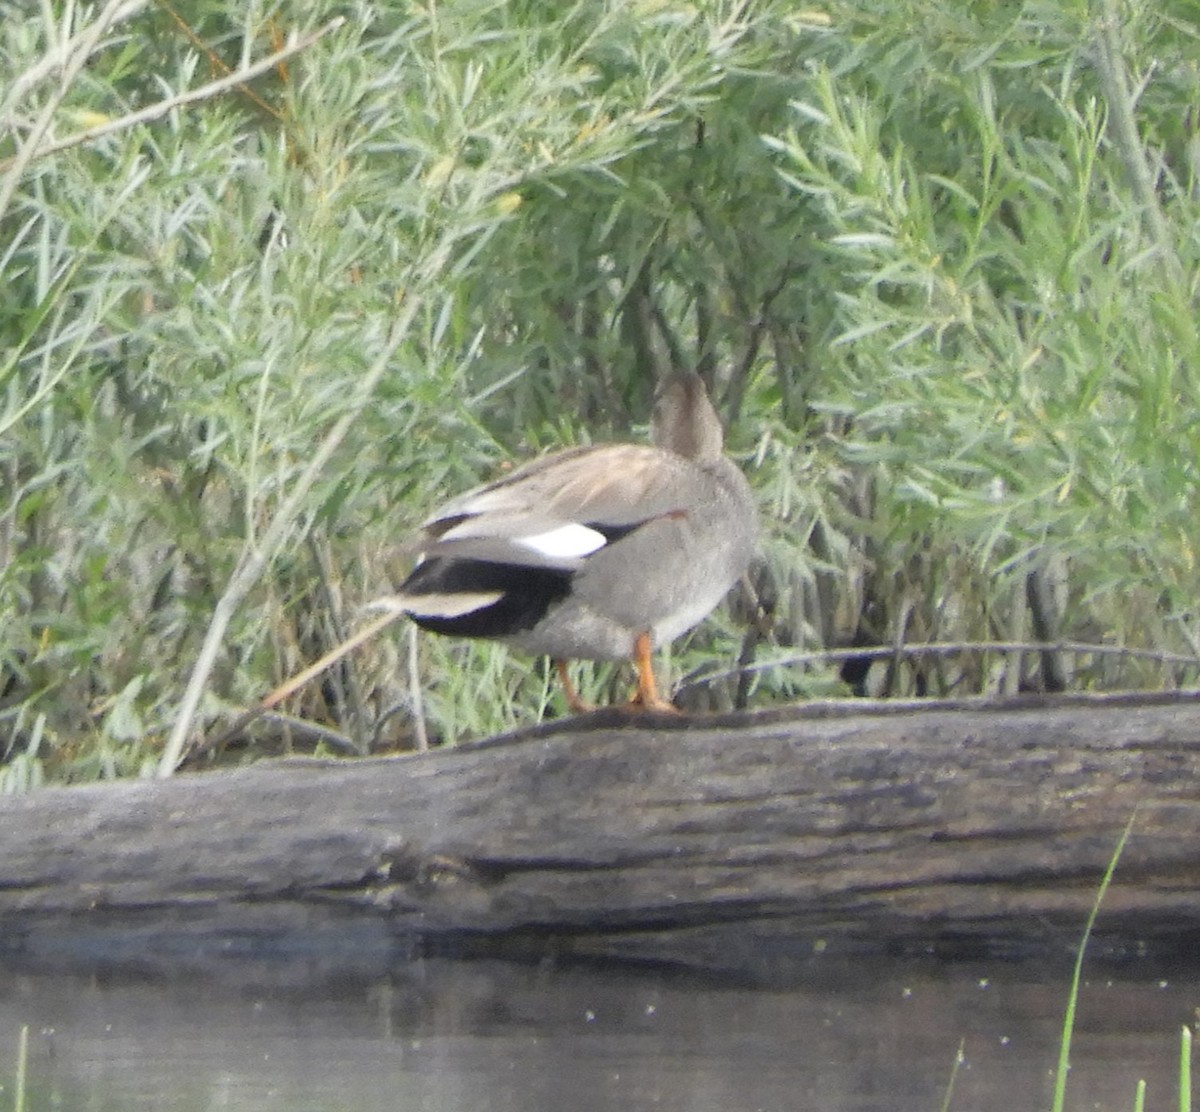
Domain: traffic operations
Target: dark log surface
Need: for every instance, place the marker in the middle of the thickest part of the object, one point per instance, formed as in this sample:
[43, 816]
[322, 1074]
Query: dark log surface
[742, 843]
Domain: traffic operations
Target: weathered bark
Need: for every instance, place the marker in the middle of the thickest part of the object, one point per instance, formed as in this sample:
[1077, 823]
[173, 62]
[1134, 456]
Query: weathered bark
[743, 843]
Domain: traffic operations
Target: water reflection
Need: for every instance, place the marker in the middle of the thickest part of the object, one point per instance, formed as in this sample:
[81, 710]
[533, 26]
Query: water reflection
[461, 1036]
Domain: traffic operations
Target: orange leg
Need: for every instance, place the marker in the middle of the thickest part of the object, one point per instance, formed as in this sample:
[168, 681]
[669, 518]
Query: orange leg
[646, 697]
[574, 702]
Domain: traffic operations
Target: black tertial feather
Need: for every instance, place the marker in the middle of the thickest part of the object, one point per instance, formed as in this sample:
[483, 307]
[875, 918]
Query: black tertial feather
[613, 533]
[527, 593]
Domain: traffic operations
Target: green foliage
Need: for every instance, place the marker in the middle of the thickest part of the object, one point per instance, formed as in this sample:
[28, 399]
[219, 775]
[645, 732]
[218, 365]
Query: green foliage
[1012, 343]
[954, 341]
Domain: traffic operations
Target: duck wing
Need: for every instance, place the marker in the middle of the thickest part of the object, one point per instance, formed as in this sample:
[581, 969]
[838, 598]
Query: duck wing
[498, 558]
[562, 508]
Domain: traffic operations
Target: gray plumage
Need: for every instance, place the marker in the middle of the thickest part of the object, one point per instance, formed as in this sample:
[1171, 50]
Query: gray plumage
[578, 553]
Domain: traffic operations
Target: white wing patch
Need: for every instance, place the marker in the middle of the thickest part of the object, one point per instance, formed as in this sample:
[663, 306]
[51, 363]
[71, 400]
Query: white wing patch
[448, 605]
[567, 542]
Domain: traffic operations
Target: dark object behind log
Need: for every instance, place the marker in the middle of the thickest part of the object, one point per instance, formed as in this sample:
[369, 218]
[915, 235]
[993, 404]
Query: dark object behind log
[743, 844]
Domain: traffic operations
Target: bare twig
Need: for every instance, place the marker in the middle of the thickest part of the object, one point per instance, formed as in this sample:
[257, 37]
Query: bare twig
[1120, 99]
[414, 692]
[288, 687]
[84, 45]
[759, 327]
[288, 726]
[895, 651]
[256, 557]
[59, 57]
[353, 705]
[214, 59]
[1044, 619]
[947, 648]
[312, 732]
[31, 152]
[1018, 619]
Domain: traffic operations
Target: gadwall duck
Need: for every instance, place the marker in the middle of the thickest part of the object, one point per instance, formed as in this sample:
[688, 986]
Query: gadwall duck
[595, 553]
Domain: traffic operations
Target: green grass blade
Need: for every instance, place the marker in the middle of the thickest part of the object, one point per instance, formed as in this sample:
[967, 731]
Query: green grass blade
[1185, 1071]
[959, 1058]
[1068, 1028]
[22, 1061]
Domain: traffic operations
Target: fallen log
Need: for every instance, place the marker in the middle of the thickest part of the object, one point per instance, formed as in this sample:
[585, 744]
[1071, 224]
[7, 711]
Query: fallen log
[742, 843]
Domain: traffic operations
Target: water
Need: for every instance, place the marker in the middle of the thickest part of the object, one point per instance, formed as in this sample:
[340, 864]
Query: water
[476, 1035]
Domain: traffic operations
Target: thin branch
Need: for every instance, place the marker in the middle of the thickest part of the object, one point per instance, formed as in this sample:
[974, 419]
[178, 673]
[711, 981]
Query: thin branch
[214, 59]
[948, 648]
[59, 57]
[289, 686]
[255, 558]
[393, 612]
[160, 109]
[759, 326]
[415, 695]
[287, 725]
[313, 732]
[352, 705]
[1114, 78]
[85, 45]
